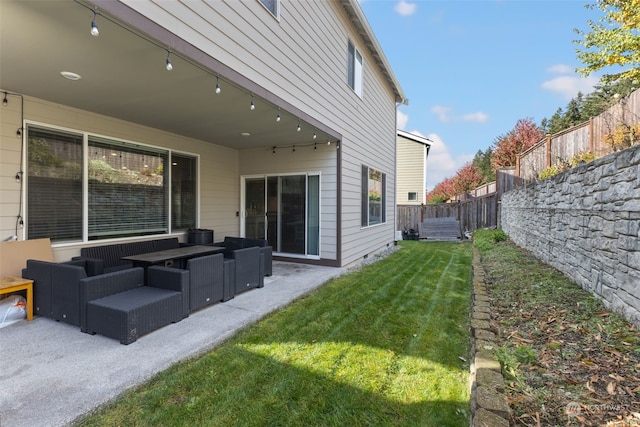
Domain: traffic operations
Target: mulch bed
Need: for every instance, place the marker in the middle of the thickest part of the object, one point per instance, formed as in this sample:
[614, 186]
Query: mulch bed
[567, 361]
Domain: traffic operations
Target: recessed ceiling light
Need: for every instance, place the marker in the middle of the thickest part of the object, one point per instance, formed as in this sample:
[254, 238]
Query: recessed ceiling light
[70, 76]
[245, 134]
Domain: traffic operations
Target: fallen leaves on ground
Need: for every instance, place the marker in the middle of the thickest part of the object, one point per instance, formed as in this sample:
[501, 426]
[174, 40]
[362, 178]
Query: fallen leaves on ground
[567, 360]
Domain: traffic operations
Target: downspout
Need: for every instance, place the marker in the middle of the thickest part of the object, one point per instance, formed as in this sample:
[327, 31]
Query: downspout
[395, 175]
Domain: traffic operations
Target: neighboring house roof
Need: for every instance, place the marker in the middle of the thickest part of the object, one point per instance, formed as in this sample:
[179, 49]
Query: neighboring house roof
[355, 14]
[416, 138]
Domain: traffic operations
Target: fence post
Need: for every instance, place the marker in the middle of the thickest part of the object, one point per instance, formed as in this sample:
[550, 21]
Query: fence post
[548, 147]
[591, 144]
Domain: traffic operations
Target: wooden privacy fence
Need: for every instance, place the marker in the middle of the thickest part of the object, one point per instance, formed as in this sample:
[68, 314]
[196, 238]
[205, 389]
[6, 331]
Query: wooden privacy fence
[473, 212]
[479, 212]
[587, 137]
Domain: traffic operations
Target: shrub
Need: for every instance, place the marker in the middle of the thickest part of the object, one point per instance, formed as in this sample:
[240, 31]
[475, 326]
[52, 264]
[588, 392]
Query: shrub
[550, 171]
[623, 136]
[582, 157]
[484, 239]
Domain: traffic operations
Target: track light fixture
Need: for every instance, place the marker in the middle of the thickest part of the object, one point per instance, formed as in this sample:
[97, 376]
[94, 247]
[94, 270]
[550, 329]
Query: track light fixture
[5, 101]
[218, 90]
[278, 116]
[168, 61]
[94, 25]
[253, 106]
[298, 128]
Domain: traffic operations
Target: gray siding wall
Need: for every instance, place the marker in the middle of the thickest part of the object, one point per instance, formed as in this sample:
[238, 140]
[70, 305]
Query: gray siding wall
[302, 58]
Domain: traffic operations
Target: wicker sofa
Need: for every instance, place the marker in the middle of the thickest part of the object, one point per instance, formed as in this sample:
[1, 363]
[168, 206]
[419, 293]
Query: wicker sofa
[108, 258]
[57, 288]
[118, 305]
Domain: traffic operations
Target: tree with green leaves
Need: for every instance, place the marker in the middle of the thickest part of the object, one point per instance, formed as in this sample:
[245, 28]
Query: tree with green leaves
[482, 161]
[613, 41]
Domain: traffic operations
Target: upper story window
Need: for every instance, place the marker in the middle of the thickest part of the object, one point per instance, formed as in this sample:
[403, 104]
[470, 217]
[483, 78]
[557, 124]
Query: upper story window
[354, 69]
[272, 6]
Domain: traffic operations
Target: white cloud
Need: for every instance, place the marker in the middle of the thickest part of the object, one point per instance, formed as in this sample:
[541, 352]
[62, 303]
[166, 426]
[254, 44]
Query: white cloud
[560, 69]
[478, 117]
[405, 8]
[569, 86]
[443, 113]
[402, 120]
[568, 83]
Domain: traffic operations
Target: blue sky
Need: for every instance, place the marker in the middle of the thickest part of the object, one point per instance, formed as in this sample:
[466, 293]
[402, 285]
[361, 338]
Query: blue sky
[472, 68]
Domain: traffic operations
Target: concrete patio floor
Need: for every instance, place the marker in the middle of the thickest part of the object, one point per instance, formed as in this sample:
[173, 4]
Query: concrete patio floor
[51, 373]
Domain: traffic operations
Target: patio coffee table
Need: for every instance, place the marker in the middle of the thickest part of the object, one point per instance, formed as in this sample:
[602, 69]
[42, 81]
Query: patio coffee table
[168, 256]
[10, 284]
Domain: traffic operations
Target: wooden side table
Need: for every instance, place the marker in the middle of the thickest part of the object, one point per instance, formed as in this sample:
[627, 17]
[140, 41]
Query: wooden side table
[11, 284]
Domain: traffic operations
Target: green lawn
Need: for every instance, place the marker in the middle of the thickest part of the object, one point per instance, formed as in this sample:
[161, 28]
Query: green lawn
[383, 346]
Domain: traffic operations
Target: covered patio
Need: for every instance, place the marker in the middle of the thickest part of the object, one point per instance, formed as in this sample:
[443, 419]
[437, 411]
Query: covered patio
[118, 85]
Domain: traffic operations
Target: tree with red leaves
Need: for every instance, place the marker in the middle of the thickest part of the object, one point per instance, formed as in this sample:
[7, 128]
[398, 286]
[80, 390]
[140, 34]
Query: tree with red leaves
[441, 192]
[506, 147]
[467, 178]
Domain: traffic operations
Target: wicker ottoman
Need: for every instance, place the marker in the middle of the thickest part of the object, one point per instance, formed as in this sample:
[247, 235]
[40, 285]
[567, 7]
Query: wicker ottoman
[128, 315]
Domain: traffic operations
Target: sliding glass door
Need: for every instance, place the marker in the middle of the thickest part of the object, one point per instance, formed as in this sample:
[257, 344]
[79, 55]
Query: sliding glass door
[284, 209]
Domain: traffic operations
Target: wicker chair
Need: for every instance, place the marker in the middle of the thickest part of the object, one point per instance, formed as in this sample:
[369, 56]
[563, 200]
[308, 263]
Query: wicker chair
[248, 269]
[206, 280]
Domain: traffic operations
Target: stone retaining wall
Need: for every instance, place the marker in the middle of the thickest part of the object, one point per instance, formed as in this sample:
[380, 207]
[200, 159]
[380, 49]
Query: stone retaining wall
[586, 223]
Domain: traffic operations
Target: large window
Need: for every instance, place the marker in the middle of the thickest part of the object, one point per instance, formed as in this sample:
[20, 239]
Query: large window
[126, 186]
[354, 69]
[373, 196]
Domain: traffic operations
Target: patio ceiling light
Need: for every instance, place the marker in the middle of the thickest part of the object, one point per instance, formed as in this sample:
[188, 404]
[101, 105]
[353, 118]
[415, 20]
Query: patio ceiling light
[298, 128]
[278, 116]
[218, 89]
[69, 75]
[5, 101]
[168, 61]
[94, 25]
[253, 106]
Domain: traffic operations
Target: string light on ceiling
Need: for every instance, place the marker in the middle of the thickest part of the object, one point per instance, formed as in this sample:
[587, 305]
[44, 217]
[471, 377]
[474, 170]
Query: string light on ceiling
[169, 65]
